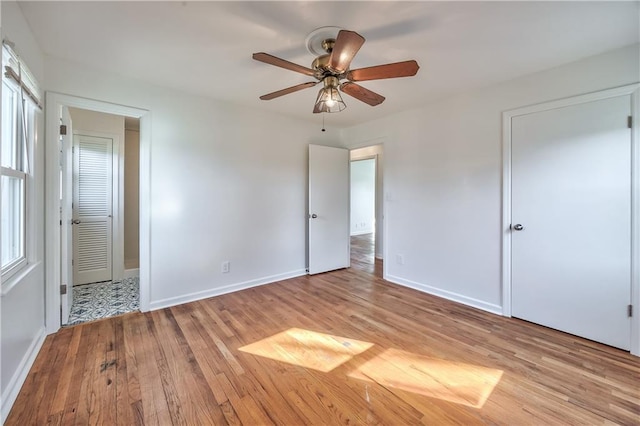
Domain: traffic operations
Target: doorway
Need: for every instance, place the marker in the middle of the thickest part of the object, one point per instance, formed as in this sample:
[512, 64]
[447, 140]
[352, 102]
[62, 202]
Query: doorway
[60, 279]
[366, 218]
[100, 242]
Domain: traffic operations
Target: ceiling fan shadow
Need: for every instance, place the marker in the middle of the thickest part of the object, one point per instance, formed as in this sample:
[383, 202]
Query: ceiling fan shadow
[264, 14]
[406, 27]
[295, 53]
[381, 33]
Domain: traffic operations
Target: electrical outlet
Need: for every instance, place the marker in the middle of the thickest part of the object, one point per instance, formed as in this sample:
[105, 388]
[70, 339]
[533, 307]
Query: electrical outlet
[400, 259]
[226, 267]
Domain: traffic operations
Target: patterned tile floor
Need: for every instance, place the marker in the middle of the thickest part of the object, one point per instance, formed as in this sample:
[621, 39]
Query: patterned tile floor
[103, 300]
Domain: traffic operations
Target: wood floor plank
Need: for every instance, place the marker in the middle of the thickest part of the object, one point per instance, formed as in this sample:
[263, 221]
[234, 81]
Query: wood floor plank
[424, 360]
[66, 372]
[308, 413]
[155, 404]
[128, 398]
[87, 343]
[230, 414]
[182, 376]
[97, 395]
[38, 408]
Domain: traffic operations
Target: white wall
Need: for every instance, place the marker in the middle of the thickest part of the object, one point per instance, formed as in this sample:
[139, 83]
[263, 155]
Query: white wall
[378, 152]
[22, 313]
[363, 196]
[227, 183]
[91, 121]
[443, 177]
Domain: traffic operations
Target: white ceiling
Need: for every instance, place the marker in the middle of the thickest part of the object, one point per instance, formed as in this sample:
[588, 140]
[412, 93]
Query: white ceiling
[205, 47]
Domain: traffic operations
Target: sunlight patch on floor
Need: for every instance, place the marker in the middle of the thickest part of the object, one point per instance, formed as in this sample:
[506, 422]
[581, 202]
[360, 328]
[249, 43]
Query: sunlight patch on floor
[309, 349]
[456, 382]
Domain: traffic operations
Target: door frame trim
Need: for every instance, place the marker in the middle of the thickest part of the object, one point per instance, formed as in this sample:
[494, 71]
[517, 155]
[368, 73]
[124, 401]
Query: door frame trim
[634, 91]
[54, 103]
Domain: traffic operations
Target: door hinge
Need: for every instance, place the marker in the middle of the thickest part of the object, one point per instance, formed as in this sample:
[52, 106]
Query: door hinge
[630, 310]
[71, 262]
[63, 289]
[630, 122]
[63, 129]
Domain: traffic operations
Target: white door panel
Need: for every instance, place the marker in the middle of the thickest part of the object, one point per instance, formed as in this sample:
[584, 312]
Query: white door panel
[328, 209]
[92, 213]
[571, 191]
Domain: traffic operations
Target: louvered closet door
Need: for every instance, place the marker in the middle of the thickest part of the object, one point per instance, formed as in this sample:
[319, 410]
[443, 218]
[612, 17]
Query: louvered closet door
[92, 209]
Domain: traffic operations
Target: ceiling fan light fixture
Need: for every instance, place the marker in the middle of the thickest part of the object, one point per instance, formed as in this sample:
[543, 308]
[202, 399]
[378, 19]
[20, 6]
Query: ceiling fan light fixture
[332, 64]
[329, 99]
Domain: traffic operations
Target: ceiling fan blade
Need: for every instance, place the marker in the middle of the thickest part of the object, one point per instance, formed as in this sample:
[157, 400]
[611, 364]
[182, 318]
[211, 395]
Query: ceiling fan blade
[288, 90]
[347, 45]
[272, 60]
[378, 72]
[362, 94]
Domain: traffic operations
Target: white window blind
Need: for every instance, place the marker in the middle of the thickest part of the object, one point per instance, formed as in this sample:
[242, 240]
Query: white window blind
[15, 69]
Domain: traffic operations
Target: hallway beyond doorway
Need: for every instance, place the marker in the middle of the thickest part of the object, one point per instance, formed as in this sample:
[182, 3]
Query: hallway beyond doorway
[363, 254]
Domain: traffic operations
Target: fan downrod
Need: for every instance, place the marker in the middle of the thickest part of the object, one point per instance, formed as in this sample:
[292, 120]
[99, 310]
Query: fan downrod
[327, 44]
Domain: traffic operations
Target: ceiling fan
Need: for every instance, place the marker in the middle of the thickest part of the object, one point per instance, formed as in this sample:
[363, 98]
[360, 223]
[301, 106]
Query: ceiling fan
[332, 65]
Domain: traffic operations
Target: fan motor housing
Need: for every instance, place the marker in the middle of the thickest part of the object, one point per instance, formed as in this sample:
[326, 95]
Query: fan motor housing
[321, 63]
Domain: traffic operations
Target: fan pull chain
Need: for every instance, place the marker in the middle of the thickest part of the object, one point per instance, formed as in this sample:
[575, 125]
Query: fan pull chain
[323, 129]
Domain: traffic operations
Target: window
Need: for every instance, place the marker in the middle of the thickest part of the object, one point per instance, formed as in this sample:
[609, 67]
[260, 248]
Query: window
[13, 182]
[17, 140]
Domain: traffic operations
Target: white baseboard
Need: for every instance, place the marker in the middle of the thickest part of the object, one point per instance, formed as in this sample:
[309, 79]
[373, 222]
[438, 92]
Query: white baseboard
[131, 273]
[192, 297]
[455, 297]
[17, 380]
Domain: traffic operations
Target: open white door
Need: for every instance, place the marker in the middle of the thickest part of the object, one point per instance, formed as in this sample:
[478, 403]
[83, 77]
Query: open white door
[66, 197]
[571, 213]
[328, 237]
[92, 210]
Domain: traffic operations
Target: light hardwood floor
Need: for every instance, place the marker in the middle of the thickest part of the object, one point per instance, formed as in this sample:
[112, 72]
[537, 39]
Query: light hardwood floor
[337, 348]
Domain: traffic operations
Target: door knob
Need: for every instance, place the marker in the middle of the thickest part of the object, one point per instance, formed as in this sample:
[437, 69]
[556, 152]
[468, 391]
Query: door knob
[314, 216]
[518, 227]
[76, 221]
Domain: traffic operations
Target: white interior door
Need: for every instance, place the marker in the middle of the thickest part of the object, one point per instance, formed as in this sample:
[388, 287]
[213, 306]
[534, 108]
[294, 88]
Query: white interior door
[92, 209]
[571, 193]
[66, 198]
[328, 209]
